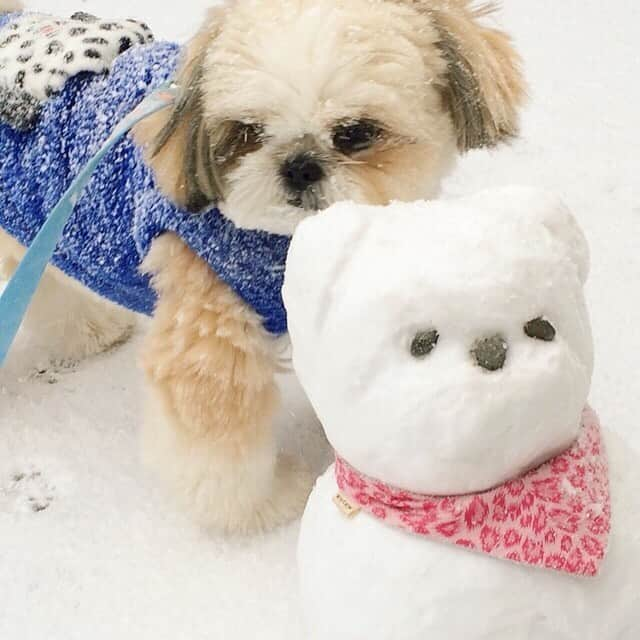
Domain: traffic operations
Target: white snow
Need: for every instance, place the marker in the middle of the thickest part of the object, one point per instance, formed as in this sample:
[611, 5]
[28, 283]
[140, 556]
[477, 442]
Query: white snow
[109, 557]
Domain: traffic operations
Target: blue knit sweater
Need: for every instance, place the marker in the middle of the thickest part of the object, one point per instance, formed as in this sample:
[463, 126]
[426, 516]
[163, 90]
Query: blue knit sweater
[121, 210]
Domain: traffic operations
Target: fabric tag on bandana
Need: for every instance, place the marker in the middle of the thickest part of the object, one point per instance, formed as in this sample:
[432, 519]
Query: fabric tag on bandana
[39, 53]
[345, 505]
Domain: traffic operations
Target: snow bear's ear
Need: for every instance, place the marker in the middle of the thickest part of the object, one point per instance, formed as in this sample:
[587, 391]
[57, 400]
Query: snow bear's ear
[561, 223]
[535, 207]
[321, 249]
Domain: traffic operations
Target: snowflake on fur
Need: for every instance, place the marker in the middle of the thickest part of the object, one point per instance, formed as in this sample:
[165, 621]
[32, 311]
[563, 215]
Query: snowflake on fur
[39, 53]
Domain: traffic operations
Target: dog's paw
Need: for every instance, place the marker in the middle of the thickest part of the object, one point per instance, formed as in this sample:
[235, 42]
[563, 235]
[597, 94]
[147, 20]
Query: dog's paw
[225, 488]
[91, 336]
[50, 372]
[241, 508]
[28, 363]
[292, 485]
[64, 325]
[27, 491]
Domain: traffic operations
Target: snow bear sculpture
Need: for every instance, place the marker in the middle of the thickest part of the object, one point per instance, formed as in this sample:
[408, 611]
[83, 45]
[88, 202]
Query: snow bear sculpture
[446, 348]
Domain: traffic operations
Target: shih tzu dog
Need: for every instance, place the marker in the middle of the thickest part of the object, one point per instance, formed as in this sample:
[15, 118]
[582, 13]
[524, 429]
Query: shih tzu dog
[285, 107]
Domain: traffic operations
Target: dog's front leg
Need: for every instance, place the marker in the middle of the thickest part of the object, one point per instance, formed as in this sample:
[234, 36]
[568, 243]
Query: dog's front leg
[210, 367]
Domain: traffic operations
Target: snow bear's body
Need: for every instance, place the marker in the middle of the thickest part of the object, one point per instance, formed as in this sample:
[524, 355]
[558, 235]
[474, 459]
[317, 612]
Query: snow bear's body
[446, 348]
[363, 580]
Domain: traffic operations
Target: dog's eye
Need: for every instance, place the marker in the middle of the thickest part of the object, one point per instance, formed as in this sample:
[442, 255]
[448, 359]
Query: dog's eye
[351, 137]
[423, 343]
[540, 329]
[235, 139]
[249, 133]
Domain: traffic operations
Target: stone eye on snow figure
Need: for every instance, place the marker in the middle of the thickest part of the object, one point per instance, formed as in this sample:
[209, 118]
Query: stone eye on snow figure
[424, 343]
[540, 329]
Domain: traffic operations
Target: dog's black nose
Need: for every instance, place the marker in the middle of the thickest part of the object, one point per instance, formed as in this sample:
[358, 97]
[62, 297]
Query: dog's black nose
[301, 171]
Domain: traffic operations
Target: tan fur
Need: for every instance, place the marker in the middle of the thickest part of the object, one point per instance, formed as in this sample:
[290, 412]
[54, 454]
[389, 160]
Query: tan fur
[167, 165]
[210, 366]
[7, 6]
[493, 63]
[168, 162]
[392, 173]
[199, 321]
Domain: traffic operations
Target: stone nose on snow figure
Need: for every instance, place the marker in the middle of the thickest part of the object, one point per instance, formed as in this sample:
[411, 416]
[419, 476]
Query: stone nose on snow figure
[490, 353]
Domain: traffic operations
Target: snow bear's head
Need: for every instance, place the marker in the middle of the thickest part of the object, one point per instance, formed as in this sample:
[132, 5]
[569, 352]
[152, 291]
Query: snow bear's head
[445, 346]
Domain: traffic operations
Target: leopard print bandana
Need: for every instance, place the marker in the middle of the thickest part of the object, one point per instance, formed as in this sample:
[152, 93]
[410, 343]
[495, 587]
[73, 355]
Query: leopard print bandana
[557, 516]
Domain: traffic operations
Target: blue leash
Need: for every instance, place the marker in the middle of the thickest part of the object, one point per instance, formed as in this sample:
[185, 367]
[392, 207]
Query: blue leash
[17, 295]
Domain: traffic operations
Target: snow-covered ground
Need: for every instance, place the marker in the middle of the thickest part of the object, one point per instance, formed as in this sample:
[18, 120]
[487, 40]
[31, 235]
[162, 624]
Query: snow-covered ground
[90, 548]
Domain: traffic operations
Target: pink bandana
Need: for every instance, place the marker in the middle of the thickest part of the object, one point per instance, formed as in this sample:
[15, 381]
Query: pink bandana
[556, 516]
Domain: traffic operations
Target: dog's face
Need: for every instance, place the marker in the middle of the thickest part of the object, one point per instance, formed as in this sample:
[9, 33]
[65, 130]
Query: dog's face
[292, 105]
[323, 101]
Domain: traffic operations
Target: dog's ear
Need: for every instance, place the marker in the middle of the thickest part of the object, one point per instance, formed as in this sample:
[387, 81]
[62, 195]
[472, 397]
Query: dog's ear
[178, 145]
[482, 86]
